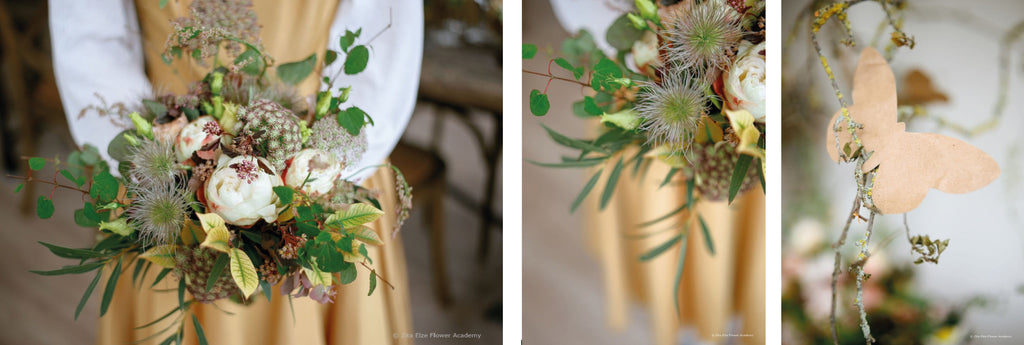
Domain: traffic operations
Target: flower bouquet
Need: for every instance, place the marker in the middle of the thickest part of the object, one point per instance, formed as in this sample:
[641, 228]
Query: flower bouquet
[234, 187]
[685, 86]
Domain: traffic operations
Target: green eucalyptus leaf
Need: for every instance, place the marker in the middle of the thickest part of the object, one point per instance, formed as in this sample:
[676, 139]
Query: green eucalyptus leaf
[529, 50]
[622, 33]
[44, 207]
[36, 163]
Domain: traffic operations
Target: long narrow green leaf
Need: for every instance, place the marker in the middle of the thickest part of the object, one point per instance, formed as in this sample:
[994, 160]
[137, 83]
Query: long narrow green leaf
[760, 174]
[572, 143]
[181, 293]
[707, 235]
[668, 177]
[373, 282]
[217, 270]
[199, 330]
[72, 253]
[88, 293]
[108, 292]
[160, 319]
[145, 271]
[266, 289]
[653, 253]
[72, 269]
[609, 188]
[679, 272]
[572, 164]
[586, 190]
[666, 216]
[160, 277]
[690, 184]
[738, 175]
[139, 264]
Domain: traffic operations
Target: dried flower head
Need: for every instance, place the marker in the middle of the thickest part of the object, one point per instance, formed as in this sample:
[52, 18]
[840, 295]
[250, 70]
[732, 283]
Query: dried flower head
[246, 170]
[154, 163]
[158, 212]
[702, 37]
[671, 111]
[404, 191]
[211, 24]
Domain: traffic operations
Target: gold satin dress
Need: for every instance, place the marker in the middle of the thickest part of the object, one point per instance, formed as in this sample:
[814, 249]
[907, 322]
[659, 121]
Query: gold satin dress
[291, 30]
[714, 289]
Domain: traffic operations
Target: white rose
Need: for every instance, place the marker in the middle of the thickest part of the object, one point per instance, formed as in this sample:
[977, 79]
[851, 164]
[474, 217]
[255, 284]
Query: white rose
[321, 167]
[242, 193]
[744, 81]
[192, 138]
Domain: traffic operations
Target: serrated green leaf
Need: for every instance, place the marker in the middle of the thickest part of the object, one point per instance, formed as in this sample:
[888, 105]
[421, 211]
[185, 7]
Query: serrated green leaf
[738, 175]
[44, 207]
[243, 272]
[355, 215]
[586, 190]
[539, 104]
[348, 39]
[295, 72]
[357, 59]
[529, 51]
[88, 293]
[36, 163]
[104, 187]
[108, 291]
[284, 193]
[348, 273]
[656, 251]
[71, 253]
[590, 106]
[708, 242]
[70, 177]
[576, 72]
[217, 270]
[72, 269]
[373, 282]
[609, 188]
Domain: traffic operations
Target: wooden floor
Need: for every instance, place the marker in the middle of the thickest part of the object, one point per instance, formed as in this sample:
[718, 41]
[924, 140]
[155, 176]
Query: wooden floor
[40, 310]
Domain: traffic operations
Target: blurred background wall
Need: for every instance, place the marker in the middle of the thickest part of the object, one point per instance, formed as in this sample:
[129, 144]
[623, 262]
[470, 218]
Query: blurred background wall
[958, 47]
[450, 151]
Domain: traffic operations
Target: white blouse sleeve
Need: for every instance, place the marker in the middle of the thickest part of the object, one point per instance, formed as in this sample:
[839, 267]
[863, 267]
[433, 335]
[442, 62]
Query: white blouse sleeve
[97, 50]
[387, 89]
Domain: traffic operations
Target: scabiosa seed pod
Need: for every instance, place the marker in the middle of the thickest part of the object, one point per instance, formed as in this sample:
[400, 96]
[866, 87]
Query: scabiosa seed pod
[702, 37]
[329, 136]
[158, 212]
[274, 128]
[194, 265]
[714, 167]
[671, 111]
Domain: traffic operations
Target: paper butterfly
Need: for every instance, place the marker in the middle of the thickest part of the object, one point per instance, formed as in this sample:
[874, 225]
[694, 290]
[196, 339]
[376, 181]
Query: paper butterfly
[908, 163]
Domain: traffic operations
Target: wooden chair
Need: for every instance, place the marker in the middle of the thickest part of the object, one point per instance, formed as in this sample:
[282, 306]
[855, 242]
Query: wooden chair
[425, 172]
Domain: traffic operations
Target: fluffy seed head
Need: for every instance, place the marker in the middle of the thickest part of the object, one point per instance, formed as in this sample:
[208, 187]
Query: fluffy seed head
[155, 163]
[158, 212]
[702, 37]
[671, 111]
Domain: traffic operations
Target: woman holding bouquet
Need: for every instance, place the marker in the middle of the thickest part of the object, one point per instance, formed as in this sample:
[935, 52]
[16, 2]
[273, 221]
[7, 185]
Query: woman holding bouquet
[113, 49]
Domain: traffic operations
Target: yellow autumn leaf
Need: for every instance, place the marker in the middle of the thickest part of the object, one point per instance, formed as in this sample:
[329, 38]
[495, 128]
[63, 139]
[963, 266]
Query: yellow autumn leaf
[316, 276]
[674, 159]
[742, 123]
[162, 255]
[243, 272]
[365, 234]
[192, 233]
[355, 215]
[217, 235]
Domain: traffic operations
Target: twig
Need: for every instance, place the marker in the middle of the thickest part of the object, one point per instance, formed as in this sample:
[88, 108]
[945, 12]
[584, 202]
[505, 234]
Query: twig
[836, 269]
[861, 276]
[552, 76]
[55, 184]
[374, 272]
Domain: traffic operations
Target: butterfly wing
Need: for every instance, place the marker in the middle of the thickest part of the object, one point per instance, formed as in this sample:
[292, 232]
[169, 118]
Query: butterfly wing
[874, 107]
[917, 162]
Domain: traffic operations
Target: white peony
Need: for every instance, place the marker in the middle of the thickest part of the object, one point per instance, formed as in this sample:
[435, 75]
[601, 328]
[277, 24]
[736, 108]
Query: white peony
[321, 167]
[243, 193]
[192, 138]
[744, 81]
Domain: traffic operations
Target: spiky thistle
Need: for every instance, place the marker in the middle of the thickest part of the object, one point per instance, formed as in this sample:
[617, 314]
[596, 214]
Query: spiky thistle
[159, 212]
[154, 163]
[702, 37]
[672, 110]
